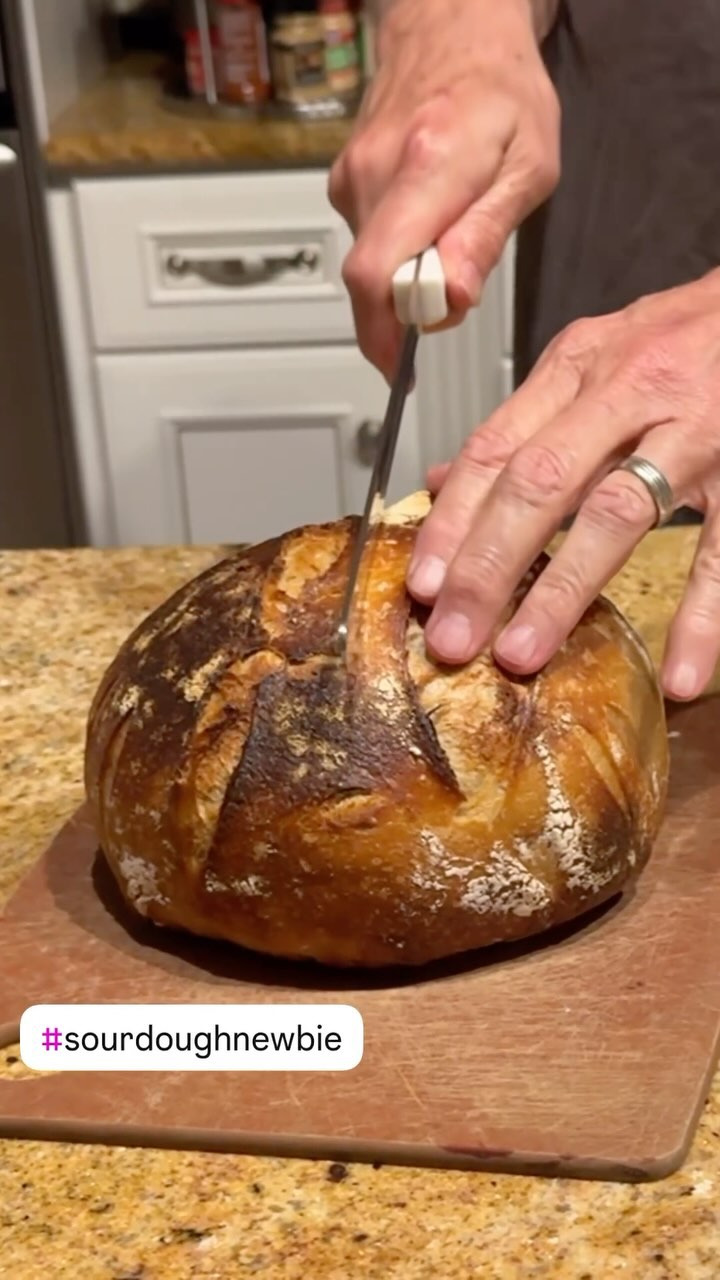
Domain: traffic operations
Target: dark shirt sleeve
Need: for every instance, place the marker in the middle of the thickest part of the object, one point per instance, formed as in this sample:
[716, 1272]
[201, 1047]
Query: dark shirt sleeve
[637, 209]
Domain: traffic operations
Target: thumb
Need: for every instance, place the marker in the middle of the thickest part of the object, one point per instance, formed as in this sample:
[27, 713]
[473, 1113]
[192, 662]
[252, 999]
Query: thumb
[474, 245]
[436, 477]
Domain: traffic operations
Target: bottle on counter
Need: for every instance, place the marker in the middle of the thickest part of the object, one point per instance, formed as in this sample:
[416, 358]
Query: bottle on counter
[194, 65]
[243, 45]
[298, 55]
[341, 46]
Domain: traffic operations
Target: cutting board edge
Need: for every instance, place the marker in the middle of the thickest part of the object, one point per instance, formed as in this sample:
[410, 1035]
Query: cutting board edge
[235, 1142]
[455, 1152]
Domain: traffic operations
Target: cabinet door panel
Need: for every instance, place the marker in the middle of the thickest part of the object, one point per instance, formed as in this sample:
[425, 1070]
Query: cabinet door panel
[223, 468]
[239, 446]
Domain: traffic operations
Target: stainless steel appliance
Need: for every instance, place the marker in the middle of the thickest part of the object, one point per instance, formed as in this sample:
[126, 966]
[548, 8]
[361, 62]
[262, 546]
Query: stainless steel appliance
[38, 489]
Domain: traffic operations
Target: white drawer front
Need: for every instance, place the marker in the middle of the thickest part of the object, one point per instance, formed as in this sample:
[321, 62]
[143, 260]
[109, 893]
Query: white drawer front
[241, 259]
[208, 447]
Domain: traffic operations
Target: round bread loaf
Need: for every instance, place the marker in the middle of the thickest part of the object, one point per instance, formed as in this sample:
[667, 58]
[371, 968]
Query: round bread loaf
[248, 785]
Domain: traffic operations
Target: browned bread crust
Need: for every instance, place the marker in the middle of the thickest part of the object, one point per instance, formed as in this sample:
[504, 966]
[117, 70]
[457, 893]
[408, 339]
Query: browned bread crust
[248, 785]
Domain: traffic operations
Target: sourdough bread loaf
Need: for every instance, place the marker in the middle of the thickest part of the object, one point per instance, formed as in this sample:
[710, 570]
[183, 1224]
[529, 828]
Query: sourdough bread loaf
[248, 785]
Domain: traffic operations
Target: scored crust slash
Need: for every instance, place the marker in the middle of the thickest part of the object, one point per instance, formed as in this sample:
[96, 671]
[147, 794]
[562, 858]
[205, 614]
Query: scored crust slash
[247, 785]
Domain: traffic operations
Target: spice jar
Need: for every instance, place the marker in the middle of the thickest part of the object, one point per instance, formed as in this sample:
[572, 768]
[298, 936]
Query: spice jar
[341, 46]
[297, 54]
[245, 70]
[194, 66]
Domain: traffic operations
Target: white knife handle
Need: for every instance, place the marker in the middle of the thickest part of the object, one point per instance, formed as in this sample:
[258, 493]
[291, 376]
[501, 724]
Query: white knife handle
[420, 294]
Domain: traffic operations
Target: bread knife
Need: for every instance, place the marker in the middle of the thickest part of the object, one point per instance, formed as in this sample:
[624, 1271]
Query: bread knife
[420, 301]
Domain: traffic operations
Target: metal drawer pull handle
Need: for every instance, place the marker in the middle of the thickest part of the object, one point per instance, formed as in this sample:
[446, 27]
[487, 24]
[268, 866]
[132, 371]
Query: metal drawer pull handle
[239, 272]
[367, 439]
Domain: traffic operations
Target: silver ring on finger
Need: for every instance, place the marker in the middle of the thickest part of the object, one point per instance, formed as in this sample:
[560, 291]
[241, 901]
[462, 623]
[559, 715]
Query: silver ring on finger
[656, 483]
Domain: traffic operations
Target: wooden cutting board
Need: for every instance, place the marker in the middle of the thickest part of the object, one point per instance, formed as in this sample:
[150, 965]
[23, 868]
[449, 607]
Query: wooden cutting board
[588, 1054]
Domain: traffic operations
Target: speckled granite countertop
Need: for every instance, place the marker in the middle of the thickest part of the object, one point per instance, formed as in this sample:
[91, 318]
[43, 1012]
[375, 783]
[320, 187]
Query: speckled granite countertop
[95, 1213]
[125, 121]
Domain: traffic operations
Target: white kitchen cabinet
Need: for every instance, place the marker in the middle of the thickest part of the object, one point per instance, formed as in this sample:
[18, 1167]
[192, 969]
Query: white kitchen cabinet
[218, 391]
[209, 447]
[213, 260]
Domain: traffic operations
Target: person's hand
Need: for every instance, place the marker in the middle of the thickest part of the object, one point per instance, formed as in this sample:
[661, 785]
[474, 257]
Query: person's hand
[645, 380]
[456, 142]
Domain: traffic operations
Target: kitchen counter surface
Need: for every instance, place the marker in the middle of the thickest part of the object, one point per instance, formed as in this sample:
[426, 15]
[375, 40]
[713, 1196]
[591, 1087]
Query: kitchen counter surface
[125, 122]
[95, 1213]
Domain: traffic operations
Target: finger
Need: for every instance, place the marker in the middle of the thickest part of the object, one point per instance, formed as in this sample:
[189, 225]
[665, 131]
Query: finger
[363, 170]
[339, 193]
[693, 644]
[379, 340]
[451, 321]
[341, 197]
[526, 506]
[437, 476]
[610, 523]
[388, 364]
[550, 387]
[475, 243]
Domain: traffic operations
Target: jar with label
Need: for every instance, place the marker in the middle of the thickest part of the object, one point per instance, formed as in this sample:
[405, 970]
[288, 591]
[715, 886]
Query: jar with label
[194, 65]
[341, 47]
[297, 56]
[243, 44]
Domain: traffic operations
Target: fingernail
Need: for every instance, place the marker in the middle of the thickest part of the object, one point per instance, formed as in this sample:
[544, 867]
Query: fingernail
[427, 576]
[517, 644]
[470, 280]
[451, 637]
[682, 681]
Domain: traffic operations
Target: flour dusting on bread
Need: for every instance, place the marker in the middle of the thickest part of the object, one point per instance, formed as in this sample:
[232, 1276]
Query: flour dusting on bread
[248, 785]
